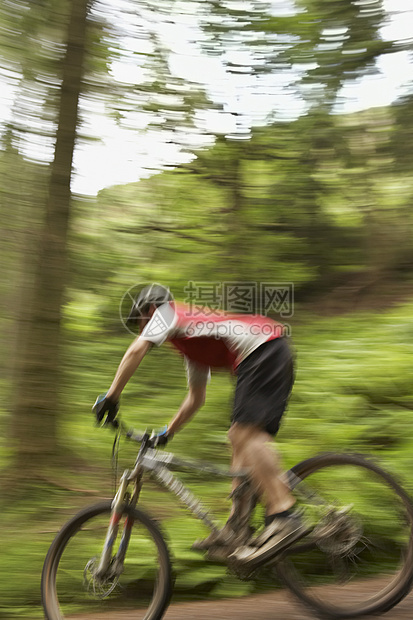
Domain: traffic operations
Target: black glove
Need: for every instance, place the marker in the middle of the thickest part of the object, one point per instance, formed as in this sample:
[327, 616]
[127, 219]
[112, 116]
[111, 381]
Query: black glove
[105, 409]
[161, 438]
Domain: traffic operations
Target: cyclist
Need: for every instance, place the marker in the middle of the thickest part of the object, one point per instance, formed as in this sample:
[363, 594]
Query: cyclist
[255, 349]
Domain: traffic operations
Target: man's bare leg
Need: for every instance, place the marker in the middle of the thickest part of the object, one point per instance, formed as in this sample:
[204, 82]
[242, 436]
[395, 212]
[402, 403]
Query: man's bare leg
[251, 451]
[282, 526]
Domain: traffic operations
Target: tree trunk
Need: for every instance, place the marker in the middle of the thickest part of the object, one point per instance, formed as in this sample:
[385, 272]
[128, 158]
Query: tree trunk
[36, 409]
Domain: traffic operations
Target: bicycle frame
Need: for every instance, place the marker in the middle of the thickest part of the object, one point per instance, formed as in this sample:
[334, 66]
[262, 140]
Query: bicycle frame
[159, 464]
[342, 543]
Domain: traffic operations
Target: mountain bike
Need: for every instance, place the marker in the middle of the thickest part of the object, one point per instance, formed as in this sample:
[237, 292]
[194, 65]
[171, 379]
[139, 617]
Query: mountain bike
[356, 559]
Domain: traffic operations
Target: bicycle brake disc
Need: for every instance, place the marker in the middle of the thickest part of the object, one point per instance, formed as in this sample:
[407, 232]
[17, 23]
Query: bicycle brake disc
[98, 587]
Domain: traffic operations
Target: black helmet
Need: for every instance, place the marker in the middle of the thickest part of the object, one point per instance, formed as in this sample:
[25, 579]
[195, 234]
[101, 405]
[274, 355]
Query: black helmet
[153, 294]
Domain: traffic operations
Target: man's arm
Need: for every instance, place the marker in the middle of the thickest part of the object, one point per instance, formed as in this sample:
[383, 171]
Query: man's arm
[129, 364]
[193, 401]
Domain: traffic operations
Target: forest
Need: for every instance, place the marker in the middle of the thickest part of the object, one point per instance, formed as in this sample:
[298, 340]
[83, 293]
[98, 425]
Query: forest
[252, 169]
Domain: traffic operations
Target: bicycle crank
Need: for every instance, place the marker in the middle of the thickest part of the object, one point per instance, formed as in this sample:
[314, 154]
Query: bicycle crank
[338, 533]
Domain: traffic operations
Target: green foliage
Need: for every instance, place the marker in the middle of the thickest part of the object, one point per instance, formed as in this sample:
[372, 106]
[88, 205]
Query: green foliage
[353, 392]
[322, 201]
[318, 202]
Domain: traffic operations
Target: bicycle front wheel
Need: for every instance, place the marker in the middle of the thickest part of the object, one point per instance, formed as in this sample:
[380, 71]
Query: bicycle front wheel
[359, 558]
[69, 580]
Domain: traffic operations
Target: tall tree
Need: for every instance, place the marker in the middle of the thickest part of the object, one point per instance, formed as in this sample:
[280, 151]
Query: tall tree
[37, 406]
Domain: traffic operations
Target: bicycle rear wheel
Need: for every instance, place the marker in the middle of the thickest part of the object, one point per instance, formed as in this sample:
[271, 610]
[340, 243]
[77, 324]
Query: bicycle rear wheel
[69, 583]
[359, 558]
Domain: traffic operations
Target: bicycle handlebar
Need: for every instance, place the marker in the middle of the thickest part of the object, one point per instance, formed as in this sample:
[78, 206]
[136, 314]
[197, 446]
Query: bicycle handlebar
[132, 434]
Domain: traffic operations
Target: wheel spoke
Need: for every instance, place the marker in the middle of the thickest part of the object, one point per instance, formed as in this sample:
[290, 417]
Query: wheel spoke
[71, 582]
[363, 558]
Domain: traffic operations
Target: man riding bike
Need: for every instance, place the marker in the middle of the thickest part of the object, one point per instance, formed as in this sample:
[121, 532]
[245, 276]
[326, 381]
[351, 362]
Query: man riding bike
[255, 349]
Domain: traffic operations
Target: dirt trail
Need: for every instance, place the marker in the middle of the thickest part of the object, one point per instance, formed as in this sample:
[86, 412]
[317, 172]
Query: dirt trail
[279, 605]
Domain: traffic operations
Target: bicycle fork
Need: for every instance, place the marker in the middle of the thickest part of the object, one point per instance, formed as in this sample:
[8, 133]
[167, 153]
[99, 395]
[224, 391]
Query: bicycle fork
[113, 566]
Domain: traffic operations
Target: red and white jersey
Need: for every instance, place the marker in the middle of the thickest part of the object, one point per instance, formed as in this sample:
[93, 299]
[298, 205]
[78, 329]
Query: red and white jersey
[216, 340]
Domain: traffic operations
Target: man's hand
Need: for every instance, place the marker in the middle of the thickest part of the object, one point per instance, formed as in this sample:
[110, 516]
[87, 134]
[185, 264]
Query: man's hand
[105, 409]
[161, 438]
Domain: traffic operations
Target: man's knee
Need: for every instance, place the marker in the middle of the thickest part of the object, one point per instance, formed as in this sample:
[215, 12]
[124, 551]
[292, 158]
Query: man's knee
[232, 434]
[237, 434]
[240, 435]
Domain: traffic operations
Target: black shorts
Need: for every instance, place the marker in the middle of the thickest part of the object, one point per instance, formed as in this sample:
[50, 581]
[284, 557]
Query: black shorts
[264, 383]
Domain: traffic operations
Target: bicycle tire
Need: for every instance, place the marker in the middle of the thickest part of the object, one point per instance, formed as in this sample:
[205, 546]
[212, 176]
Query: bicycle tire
[356, 601]
[52, 603]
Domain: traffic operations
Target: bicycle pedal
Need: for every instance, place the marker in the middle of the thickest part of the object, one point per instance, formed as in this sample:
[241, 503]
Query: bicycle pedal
[252, 557]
